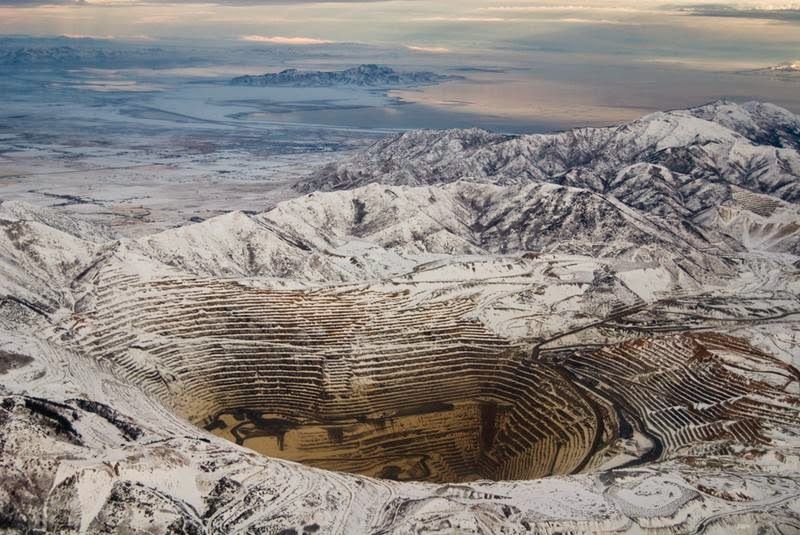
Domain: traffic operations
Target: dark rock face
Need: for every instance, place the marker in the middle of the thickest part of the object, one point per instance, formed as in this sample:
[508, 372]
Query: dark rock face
[10, 361]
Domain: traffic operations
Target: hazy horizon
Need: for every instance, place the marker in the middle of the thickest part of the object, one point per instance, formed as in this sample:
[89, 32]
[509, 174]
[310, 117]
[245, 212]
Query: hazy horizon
[530, 65]
[702, 35]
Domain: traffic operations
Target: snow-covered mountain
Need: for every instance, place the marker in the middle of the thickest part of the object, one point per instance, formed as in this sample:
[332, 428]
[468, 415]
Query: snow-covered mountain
[42, 251]
[470, 218]
[700, 154]
[758, 222]
[790, 67]
[760, 122]
[367, 75]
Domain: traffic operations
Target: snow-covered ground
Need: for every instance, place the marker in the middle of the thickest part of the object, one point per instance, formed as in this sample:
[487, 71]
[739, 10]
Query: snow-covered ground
[145, 161]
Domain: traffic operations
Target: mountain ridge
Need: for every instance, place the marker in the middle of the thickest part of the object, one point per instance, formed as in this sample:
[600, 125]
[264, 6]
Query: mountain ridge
[365, 75]
[706, 157]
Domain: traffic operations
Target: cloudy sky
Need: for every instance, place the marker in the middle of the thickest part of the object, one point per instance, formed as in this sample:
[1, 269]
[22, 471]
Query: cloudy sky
[752, 32]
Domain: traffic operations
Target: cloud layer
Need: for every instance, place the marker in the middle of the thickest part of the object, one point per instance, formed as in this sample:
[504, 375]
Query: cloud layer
[769, 12]
[280, 40]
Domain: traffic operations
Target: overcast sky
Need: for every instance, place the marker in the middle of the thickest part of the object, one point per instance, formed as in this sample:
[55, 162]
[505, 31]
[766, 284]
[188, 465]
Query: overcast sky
[725, 33]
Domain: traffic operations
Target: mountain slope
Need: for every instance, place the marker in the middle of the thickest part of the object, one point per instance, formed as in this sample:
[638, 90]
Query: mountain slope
[239, 245]
[468, 218]
[760, 122]
[41, 252]
[707, 150]
[759, 222]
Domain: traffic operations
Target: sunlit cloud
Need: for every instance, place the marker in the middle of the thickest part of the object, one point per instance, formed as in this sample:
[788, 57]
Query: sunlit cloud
[280, 40]
[30, 3]
[158, 19]
[562, 7]
[460, 19]
[578, 20]
[429, 49]
[86, 36]
[107, 37]
[166, 3]
[558, 20]
[769, 11]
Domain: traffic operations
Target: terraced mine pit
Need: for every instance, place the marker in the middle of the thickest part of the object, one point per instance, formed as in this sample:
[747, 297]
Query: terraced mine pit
[464, 420]
[354, 381]
[483, 415]
[384, 385]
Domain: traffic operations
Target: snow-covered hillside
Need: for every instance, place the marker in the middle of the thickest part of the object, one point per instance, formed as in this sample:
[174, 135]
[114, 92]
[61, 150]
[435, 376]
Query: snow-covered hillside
[706, 150]
[788, 68]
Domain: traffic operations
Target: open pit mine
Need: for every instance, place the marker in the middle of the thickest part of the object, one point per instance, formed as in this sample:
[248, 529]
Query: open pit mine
[450, 332]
